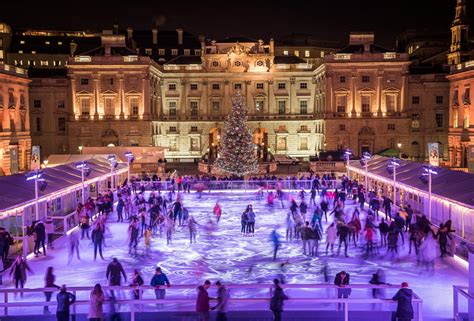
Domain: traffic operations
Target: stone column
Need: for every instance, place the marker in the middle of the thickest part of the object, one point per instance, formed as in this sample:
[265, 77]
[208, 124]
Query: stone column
[121, 96]
[329, 102]
[403, 91]
[226, 102]
[95, 111]
[353, 94]
[204, 106]
[379, 94]
[162, 97]
[270, 101]
[292, 97]
[183, 101]
[75, 108]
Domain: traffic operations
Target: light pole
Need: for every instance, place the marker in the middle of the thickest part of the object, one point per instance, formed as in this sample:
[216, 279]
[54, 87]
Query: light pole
[80, 149]
[130, 159]
[366, 156]
[394, 163]
[36, 176]
[347, 156]
[428, 170]
[113, 163]
[85, 171]
[399, 145]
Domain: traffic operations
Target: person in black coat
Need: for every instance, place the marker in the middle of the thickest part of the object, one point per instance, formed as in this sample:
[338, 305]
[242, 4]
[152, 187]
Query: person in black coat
[342, 280]
[404, 305]
[40, 231]
[98, 240]
[276, 303]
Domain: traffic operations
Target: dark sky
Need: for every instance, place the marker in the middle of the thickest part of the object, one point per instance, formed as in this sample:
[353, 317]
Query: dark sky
[327, 20]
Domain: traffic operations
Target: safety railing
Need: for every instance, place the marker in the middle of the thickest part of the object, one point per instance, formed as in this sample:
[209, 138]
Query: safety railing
[461, 291]
[253, 297]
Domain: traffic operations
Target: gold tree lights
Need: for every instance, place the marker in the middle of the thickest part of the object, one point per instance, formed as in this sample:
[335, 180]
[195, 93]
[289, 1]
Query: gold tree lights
[236, 152]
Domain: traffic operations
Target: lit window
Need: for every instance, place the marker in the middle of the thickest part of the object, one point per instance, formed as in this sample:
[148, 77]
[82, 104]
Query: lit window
[172, 108]
[415, 121]
[297, 53]
[174, 52]
[365, 102]
[304, 128]
[173, 129]
[215, 86]
[303, 143]
[281, 143]
[285, 52]
[391, 103]
[194, 108]
[60, 43]
[161, 52]
[195, 144]
[259, 106]
[47, 42]
[33, 52]
[306, 53]
[303, 107]
[22, 42]
[194, 129]
[187, 52]
[171, 87]
[109, 107]
[43, 62]
[134, 106]
[341, 104]
[197, 52]
[322, 54]
[215, 107]
[148, 51]
[20, 51]
[85, 106]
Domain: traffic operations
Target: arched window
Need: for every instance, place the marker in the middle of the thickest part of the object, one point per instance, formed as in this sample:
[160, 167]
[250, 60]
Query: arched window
[22, 101]
[11, 100]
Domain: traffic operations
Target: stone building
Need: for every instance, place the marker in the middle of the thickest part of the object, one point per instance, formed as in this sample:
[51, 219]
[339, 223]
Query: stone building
[362, 91]
[15, 140]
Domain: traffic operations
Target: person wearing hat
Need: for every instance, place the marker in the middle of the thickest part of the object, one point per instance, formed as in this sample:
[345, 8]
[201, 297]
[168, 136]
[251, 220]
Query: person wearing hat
[404, 305]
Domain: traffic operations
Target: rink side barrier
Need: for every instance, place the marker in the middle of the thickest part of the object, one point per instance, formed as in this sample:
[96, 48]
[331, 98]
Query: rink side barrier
[263, 302]
[463, 292]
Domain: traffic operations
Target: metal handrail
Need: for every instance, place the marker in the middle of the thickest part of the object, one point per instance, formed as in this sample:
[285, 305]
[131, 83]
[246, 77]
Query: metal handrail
[140, 301]
[458, 289]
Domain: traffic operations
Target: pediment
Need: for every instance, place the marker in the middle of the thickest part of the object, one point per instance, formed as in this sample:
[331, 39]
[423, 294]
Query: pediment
[392, 89]
[367, 90]
[83, 92]
[108, 92]
[342, 90]
[133, 92]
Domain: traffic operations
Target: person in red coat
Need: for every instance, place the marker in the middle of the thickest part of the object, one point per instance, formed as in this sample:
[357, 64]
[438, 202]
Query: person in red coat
[202, 301]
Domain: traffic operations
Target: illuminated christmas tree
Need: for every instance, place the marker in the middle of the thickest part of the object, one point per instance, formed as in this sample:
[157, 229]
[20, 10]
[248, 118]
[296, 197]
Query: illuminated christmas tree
[236, 152]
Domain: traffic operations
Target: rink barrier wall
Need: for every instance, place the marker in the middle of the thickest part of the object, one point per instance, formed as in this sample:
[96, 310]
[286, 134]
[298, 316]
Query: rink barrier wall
[136, 306]
[460, 291]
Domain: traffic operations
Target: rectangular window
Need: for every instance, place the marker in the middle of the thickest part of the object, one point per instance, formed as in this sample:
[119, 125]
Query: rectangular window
[259, 85]
[194, 108]
[365, 78]
[215, 106]
[415, 100]
[43, 62]
[285, 52]
[194, 86]
[109, 107]
[281, 143]
[342, 79]
[456, 97]
[342, 127]
[197, 52]
[187, 52]
[303, 85]
[415, 121]
[303, 107]
[390, 126]
[37, 103]
[61, 124]
[341, 104]
[216, 87]
[439, 100]
[171, 87]
[85, 106]
[365, 103]
[61, 104]
[195, 144]
[390, 102]
[281, 86]
[304, 128]
[281, 107]
[173, 144]
[148, 51]
[297, 53]
[134, 106]
[303, 143]
[161, 52]
[172, 108]
[467, 96]
[194, 129]
[84, 81]
[174, 52]
[38, 125]
[173, 129]
[455, 118]
[306, 53]
[237, 86]
[322, 54]
[259, 106]
[439, 120]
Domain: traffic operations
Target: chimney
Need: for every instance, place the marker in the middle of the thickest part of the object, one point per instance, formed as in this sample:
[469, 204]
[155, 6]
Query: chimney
[272, 47]
[116, 29]
[154, 32]
[129, 34]
[180, 36]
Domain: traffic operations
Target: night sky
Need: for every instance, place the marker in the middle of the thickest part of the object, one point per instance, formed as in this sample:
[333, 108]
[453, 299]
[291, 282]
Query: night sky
[326, 20]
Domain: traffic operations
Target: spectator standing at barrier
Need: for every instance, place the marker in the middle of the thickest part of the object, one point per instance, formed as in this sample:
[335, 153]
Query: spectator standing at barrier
[202, 301]
[114, 273]
[97, 298]
[276, 303]
[223, 297]
[342, 280]
[65, 300]
[137, 280]
[404, 303]
[158, 281]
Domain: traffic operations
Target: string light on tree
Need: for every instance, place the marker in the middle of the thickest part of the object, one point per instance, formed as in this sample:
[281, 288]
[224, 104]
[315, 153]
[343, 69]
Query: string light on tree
[236, 152]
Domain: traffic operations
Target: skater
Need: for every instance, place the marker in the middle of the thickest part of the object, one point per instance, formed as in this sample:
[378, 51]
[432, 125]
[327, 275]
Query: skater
[73, 245]
[147, 240]
[443, 235]
[250, 221]
[113, 274]
[342, 232]
[243, 221]
[276, 303]
[65, 300]
[312, 200]
[40, 232]
[290, 226]
[404, 303]
[49, 283]
[192, 225]
[97, 298]
[383, 227]
[133, 231]
[303, 209]
[18, 272]
[428, 252]
[331, 233]
[202, 301]
[217, 211]
[49, 229]
[387, 205]
[98, 240]
[120, 206]
[306, 237]
[85, 226]
[342, 280]
[223, 297]
[275, 237]
[324, 208]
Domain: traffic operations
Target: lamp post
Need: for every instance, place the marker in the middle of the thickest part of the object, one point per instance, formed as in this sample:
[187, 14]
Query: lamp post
[36, 176]
[366, 156]
[113, 163]
[85, 171]
[394, 163]
[130, 159]
[347, 156]
[80, 149]
[428, 170]
[399, 145]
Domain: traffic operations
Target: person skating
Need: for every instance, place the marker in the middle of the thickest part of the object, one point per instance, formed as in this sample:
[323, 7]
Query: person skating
[331, 235]
[98, 240]
[40, 232]
[18, 272]
[384, 228]
[290, 225]
[275, 238]
[133, 232]
[97, 298]
[49, 230]
[306, 237]
[120, 207]
[217, 211]
[73, 246]
[202, 301]
[114, 273]
[223, 297]
[387, 205]
[404, 298]
[192, 226]
[64, 299]
[276, 302]
[443, 235]
[49, 280]
[244, 221]
[250, 221]
[343, 233]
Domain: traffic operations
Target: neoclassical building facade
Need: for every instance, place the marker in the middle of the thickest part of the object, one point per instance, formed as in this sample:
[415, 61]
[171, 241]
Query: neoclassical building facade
[15, 139]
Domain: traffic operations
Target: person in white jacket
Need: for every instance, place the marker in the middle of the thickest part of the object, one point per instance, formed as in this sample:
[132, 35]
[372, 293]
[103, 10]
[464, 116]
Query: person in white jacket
[97, 298]
[331, 235]
[49, 229]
